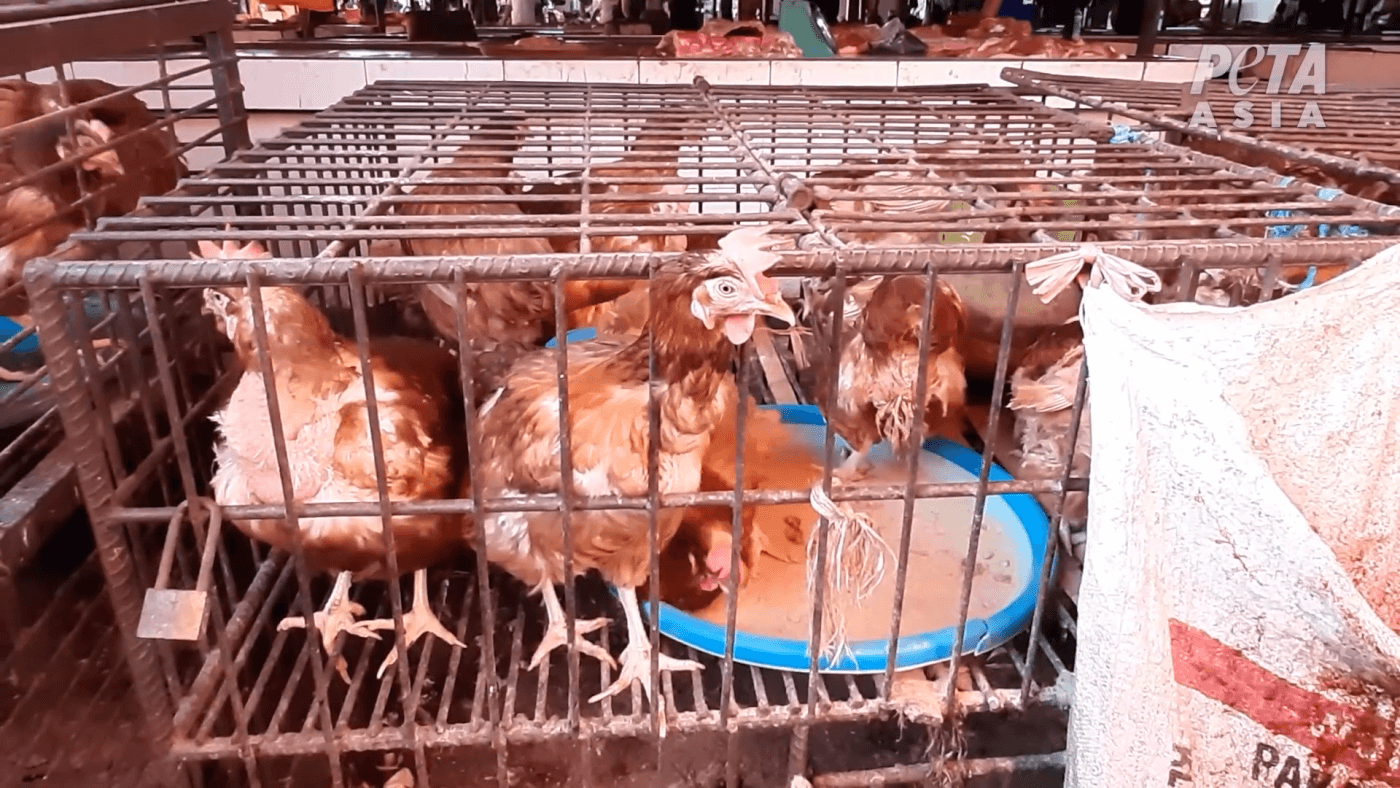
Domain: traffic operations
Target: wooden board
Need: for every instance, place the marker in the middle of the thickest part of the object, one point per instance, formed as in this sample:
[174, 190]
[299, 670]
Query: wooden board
[773, 369]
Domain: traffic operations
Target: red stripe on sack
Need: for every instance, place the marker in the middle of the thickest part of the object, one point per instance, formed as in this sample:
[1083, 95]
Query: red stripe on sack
[1224, 674]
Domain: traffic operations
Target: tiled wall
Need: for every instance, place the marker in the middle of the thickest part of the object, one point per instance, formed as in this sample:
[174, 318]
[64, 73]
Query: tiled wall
[312, 84]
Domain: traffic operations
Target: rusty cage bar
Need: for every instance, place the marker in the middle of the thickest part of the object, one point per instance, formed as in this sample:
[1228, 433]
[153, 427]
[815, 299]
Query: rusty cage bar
[561, 183]
[74, 150]
[1342, 138]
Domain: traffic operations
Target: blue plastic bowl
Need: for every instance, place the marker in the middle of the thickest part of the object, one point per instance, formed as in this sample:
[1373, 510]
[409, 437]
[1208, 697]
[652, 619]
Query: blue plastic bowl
[1026, 524]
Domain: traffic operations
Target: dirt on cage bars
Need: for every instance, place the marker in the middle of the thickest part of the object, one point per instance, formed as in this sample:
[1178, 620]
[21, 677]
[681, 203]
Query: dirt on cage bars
[1340, 138]
[404, 193]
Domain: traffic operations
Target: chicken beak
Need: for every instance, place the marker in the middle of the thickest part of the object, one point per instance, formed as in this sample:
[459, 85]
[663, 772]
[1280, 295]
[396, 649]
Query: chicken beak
[774, 306]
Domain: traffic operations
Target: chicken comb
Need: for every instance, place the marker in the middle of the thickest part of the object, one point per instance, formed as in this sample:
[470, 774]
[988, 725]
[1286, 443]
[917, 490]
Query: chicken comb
[208, 250]
[751, 249]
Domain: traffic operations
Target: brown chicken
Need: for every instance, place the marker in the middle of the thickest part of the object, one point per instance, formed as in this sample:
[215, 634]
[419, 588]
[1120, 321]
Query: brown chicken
[660, 158]
[774, 459]
[624, 316]
[696, 562]
[37, 217]
[878, 366]
[1042, 397]
[707, 306]
[321, 395]
[502, 319]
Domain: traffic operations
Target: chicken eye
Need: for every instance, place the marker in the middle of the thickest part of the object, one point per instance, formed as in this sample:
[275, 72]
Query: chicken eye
[726, 288]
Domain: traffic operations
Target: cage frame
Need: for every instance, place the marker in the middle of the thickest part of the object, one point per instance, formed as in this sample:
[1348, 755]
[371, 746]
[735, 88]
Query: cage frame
[820, 253]
[1157, 105]
[52, 38]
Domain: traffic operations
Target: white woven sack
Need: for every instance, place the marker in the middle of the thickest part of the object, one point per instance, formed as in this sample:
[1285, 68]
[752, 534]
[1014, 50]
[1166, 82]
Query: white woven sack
[1221, 642]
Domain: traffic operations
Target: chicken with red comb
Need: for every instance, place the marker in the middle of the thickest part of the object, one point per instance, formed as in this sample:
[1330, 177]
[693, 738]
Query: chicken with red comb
[703, 306]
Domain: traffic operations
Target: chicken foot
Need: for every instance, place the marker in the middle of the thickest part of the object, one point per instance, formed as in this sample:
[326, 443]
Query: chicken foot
[337, 616]
[636, 658]
[557, 634]
[418, 620]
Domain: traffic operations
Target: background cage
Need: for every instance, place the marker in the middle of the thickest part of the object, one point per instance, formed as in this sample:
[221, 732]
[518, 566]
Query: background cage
[1357, 149]
[1018, 181]
[66, 712]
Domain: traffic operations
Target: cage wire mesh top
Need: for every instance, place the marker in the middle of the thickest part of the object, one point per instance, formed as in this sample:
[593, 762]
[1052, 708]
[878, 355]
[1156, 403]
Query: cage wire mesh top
[594, 181]
[1344, 137]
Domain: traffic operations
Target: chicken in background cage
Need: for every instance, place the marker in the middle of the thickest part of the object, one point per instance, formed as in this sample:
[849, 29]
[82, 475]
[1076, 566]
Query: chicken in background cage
[75, 150]
[767, 335]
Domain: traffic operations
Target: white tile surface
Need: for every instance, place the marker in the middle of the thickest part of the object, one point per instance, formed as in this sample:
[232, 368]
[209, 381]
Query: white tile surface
[592, 71]
[485, 70]
[415, 70]
[835, 71]
[913, 73]
[1170, 71]
[116, 71]
[1110, 69]
[716, 72]
[284, 84]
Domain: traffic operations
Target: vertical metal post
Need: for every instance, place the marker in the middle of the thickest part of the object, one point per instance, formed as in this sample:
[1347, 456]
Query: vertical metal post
[228, 88]
[1147, 34]
[60, 350]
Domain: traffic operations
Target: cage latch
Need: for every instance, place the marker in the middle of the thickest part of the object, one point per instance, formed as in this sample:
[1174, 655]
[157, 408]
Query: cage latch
[175, 613]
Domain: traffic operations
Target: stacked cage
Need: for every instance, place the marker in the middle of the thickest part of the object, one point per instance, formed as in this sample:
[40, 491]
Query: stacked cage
[391, 213]
[1340, 138]
[73, 151]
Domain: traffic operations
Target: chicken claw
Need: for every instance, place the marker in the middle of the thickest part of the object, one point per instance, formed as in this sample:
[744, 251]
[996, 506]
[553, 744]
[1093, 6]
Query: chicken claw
[558, 633]
[636, 666]
[337, 616]
[418, 621]
[636, 659]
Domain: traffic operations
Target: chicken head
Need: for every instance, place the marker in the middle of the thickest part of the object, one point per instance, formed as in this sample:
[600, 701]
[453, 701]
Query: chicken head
[736, 300]
[293, 324]
[89, 134]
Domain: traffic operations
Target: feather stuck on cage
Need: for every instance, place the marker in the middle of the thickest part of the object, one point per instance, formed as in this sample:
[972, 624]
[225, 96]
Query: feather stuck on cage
[855, 567]
[1050, 276]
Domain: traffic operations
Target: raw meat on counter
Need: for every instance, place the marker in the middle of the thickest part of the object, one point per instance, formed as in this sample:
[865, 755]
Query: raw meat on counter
[721, 38]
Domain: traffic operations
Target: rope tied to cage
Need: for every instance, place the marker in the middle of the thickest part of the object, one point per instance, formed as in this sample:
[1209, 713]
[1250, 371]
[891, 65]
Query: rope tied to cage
[1049, 277]
[855, 567]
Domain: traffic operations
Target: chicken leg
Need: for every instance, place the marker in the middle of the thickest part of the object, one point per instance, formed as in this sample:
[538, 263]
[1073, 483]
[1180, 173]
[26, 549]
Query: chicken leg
[337, 616]
[418, 621]
[636, 658]
[557, 634]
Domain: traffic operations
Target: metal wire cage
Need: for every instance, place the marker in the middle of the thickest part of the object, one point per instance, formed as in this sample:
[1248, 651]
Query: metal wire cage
[1343, 138]
[594, 183]
[73, 150]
